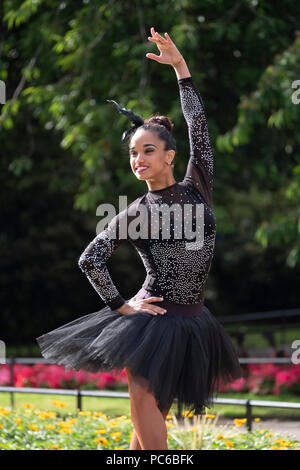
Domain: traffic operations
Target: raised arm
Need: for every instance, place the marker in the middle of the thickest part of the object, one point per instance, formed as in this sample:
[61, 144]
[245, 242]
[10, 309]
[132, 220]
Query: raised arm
[92, 262]
[199, 170]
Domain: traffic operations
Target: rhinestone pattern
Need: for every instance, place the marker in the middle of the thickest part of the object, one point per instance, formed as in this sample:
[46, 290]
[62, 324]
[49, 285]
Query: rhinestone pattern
[177, 269]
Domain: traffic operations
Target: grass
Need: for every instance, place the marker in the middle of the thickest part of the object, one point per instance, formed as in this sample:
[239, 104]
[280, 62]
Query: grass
[254, 339]
[121, 406]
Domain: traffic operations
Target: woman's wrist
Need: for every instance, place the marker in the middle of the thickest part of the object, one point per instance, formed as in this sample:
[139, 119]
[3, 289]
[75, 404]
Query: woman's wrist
[122, 309]
[181, 69]
[178, 62]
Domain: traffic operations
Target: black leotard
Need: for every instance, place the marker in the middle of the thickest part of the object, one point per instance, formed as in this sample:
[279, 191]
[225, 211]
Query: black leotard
[176, 269]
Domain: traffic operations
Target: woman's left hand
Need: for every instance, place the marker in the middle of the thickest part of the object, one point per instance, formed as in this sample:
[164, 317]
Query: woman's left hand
[169, 54]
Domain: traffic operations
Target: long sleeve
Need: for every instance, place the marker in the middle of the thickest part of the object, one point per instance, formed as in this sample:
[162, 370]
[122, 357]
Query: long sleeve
[199, 171]
[92, 262]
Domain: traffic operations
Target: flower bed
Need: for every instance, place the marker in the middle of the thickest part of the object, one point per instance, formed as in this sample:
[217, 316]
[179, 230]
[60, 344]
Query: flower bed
[262, 379]
[29, 428]
[267, 379]
[55, 376]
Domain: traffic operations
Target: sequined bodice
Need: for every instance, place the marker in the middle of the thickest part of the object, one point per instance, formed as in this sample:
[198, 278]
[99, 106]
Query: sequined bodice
[176, 246]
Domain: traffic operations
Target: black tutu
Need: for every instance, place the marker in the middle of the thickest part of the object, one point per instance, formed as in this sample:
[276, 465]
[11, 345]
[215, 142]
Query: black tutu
[185, 354]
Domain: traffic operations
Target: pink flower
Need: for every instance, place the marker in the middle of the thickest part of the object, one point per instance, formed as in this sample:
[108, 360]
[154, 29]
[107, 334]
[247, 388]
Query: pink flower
[238, 384]
[4, 375]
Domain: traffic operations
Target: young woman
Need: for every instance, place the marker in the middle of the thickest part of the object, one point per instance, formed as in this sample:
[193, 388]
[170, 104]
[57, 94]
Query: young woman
[169, 343]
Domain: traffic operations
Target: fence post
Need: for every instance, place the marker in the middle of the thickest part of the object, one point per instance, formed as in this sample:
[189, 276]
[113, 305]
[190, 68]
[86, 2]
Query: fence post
[249, 415]
[79, 405]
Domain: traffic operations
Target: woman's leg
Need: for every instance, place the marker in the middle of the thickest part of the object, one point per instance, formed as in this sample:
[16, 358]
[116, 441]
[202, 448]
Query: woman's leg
[135, 443]
[150, 430]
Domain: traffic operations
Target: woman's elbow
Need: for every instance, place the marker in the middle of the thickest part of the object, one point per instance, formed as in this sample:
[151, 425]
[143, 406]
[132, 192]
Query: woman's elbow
[83, 262]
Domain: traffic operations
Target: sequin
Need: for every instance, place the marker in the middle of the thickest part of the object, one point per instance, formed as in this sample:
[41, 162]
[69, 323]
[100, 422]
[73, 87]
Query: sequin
[176, 269]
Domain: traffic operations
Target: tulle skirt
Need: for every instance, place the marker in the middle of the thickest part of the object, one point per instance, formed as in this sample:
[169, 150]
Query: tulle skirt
[184, 354]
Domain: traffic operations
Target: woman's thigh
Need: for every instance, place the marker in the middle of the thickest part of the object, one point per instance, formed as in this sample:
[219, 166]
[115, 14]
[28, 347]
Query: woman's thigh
[138, 387]
[139, 391]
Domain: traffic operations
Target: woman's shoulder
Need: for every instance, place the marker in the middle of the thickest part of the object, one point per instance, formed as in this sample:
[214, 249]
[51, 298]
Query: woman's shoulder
[131, 207]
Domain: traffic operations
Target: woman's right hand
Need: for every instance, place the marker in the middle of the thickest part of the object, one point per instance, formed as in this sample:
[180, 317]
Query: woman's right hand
[136, 306]
[169, 54]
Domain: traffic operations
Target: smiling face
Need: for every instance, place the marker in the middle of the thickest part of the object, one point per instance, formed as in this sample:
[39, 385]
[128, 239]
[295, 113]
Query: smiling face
[148, 159]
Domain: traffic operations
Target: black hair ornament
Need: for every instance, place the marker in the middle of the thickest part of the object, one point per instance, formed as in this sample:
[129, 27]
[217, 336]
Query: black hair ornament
[137, 120]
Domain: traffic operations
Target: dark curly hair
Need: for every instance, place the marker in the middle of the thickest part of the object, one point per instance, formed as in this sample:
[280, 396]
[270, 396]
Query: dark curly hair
[162, 126]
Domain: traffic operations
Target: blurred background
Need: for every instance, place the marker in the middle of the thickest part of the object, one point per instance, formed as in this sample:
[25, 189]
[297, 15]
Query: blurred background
[61, 153]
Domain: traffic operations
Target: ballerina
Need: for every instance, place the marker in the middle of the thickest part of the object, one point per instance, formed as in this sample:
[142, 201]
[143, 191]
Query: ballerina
[168, 341]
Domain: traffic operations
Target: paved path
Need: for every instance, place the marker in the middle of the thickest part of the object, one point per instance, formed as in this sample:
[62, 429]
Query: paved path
[286, 428]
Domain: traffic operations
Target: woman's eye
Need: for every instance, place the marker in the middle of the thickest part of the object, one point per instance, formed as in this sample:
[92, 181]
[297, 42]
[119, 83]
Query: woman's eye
[132, 154]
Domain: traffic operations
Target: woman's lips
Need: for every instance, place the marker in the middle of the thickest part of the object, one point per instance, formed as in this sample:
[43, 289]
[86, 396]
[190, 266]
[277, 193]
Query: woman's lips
[141, 169]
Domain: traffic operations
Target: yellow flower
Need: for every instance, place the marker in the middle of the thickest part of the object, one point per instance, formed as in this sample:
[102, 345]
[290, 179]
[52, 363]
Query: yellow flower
[277, 448]
[66, 430]
[27, 405]
[17, 420]
[47, 414]
[4, 411]
[98, 413]
[84, 413]
[73, 420]
[54, 446]
[119, 448]
[229, 443]
[117, 434]
[64, 424]
[101, 431]
[239, 422]
[102, 440]
[1, 426]
[50, 426]
[188, 414]
[169, 425]
[210, 416]
[59, 404]
[33, 427]
[169, 416]
[269, 434]
[282, 442]
[219, 436]
[257, 419]
[113, 423]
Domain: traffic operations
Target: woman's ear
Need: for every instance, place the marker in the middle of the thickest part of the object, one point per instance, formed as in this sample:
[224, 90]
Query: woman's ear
[171, 154]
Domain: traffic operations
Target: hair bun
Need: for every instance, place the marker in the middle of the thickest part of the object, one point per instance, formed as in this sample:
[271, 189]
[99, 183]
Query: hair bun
[161, 120]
